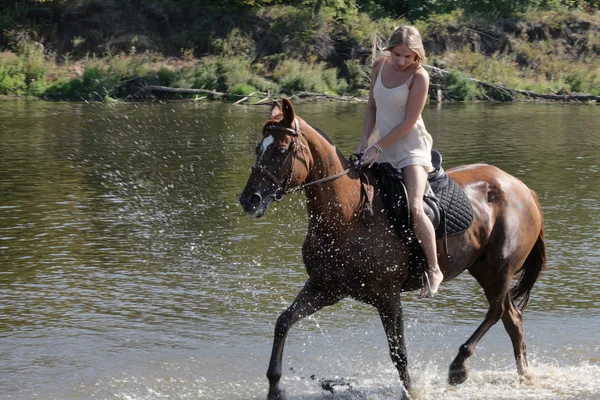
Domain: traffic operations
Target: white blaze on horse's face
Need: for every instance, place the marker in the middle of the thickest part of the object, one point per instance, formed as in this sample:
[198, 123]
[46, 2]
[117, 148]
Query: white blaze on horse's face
[266, 143]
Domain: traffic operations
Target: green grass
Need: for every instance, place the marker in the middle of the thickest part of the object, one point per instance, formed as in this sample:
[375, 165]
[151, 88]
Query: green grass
[540, 67]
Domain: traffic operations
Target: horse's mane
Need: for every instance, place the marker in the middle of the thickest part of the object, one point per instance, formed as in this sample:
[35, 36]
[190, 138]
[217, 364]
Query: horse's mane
[321, 133]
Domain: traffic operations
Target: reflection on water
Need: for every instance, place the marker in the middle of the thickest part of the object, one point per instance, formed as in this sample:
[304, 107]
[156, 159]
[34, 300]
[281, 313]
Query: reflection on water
[128, 270]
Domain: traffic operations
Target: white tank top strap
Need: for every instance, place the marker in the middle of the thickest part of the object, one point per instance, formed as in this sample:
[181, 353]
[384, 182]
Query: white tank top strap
[382, 62]
[409, 81]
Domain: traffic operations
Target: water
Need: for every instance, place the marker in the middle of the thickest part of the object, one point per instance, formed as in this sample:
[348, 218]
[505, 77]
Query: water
[128, 271]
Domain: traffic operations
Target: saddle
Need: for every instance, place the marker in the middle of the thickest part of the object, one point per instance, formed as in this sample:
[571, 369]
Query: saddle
[444, 202]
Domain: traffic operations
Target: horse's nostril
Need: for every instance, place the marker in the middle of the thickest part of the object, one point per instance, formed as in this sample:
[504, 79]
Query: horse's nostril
[255, 199]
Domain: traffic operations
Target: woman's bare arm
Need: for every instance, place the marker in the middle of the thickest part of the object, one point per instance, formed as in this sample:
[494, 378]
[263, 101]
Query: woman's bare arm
[370, 111]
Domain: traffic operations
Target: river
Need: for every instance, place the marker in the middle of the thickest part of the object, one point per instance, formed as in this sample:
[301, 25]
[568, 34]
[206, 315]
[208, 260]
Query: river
[128, 270]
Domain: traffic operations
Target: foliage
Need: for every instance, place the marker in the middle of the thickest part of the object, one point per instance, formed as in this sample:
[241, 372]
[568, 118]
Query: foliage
[491, 9]
[95, 83]
[205, 75]
[460, 88]
[241, 90]
[295, 76]
[263, 84]
[357, 75]
[290, 45]
[23, 72]
[232, 71]
[12, 80]
[535, 66]
[235, 44]
[297, 32]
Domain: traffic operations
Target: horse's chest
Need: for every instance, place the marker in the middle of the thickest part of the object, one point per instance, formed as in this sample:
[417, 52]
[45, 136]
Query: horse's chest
[327, 255]
[346, 259]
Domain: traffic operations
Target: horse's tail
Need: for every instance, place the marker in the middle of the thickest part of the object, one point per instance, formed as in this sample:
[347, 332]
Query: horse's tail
[532, 268]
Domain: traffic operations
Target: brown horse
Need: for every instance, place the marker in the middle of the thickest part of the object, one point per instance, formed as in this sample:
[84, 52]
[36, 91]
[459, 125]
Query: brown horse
[350, 254]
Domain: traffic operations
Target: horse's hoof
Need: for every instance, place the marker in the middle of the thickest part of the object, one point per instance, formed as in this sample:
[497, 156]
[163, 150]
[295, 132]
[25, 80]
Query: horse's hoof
[526, 379]
[276, 393]
[457, 375]
[405, 395]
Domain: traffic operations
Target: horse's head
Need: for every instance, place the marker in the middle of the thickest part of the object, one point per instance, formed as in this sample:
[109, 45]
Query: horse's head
[281, 161]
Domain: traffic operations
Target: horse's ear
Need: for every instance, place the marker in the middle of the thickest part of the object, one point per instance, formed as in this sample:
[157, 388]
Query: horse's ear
[288, 111]
[275, 109]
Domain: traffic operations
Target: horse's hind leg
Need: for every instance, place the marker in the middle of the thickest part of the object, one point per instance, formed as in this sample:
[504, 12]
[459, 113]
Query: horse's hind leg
[513, 323]
[496, 290]
[308, 301]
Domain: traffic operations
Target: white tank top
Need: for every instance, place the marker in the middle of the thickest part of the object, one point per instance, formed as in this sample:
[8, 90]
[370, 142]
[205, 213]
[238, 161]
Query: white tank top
[414, 148]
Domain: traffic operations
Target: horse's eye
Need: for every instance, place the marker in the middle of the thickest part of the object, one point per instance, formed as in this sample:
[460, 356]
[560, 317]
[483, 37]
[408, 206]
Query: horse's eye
[282, 150]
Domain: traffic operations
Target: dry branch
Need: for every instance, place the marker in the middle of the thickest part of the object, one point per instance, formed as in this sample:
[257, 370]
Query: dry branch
[263, 100]
[245, 98]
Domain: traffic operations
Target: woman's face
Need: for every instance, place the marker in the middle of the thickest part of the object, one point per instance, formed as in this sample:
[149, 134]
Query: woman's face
[402, 57]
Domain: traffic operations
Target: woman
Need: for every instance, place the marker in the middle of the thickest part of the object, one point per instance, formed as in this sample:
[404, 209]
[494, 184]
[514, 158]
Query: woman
[393, 131]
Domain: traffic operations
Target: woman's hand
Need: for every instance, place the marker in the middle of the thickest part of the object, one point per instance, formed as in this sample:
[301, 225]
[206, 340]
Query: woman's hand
[370, 155]
[360, 148]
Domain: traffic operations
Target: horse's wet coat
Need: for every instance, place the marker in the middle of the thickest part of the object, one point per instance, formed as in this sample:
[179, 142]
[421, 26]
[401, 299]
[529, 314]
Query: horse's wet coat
[349, 253]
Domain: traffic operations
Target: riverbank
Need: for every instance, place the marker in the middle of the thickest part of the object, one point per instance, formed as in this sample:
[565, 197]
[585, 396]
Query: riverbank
[551, 53]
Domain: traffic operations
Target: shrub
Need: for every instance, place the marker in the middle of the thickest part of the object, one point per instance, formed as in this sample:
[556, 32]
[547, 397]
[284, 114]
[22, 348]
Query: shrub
[232, 71]
[293, 75]
[262, 84]
[235, 44]
[12, 81]
[298, 32]
[357, 75]
[96, 83]
[241, 90]
[166, 77]
[460, 88]
[12, 77]
[205, 75]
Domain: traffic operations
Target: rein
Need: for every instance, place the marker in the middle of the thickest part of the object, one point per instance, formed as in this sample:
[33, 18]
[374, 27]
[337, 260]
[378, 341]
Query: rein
[326, 179]
[354, 160]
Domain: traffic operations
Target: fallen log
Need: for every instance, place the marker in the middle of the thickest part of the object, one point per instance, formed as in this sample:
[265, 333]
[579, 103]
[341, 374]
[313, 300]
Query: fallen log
[166, 89]
[327, 96]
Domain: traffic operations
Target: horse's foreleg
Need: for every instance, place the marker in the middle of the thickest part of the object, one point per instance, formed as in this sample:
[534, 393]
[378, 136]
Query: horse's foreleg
[513, 323]
[308, 301]
[393, 324]
[495, 291]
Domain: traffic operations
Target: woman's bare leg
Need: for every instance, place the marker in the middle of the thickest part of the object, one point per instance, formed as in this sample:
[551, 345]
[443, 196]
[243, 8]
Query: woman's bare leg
[415, 179]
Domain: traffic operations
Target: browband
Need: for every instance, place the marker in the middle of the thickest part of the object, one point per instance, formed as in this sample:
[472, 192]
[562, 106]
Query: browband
[289, 131]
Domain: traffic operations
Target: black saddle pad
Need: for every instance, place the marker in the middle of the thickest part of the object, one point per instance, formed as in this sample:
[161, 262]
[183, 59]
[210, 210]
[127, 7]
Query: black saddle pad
[456, 209]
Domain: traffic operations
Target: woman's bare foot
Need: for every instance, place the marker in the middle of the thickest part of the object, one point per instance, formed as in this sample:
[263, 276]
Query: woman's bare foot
[433, 279]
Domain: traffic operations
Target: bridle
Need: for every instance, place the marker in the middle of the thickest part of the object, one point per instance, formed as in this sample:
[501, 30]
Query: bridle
[283, 188]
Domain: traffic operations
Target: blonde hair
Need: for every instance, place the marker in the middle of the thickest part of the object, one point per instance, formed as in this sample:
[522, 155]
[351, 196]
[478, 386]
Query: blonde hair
[410, 36]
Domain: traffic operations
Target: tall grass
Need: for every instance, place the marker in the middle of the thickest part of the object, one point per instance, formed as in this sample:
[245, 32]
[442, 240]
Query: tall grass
[545, 66]
[295, 76]
[24, 71]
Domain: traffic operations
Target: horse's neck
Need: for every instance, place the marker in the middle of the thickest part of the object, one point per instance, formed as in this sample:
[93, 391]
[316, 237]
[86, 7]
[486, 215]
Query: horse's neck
[333, 202]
